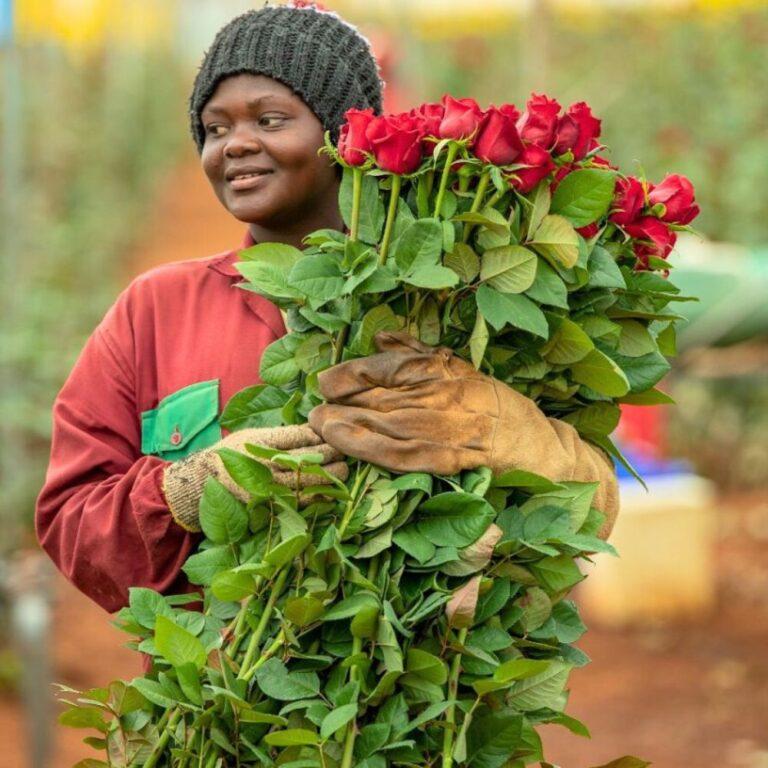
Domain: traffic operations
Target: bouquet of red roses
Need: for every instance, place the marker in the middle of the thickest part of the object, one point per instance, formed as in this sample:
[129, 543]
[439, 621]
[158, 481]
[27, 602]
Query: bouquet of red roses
[413, 620]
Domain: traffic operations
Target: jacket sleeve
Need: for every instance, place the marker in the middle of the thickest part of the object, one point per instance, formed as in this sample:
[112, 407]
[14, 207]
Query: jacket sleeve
[101, 515]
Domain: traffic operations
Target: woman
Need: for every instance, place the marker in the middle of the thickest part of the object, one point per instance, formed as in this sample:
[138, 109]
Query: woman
[136, 423]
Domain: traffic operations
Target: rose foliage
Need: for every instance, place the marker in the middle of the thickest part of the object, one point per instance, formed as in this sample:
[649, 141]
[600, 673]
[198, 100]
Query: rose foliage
[413, 620]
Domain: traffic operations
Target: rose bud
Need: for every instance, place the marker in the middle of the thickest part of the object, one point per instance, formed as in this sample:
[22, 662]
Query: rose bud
[497, 141]
[590, 230]
[396, 142]
[560, 174]
[628, 201]
[461, 118]
[352, 139]
[676, 194]
[577, 130]
[657, 238]
[539, 165]
[539, 121]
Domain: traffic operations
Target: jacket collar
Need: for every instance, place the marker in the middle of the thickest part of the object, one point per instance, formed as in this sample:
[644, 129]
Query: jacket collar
[263, 308]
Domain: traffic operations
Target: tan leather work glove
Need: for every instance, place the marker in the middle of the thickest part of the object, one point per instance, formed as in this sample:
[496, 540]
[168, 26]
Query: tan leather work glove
[415, 408]
[184, 480]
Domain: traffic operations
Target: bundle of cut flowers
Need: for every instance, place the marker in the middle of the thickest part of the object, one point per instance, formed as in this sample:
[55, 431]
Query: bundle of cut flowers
[413, 620]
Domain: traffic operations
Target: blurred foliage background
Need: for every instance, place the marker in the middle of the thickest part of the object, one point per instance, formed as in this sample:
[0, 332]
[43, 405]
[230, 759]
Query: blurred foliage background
[93, 100]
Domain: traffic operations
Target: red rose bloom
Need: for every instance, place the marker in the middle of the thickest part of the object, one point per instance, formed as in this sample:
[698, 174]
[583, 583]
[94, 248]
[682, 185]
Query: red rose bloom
[628, 201]
[657, 239]
[352, 139]
[497, 141]
[539, 165]
[539, 121]
[461, 118]
[676, 194]
[577, 130]
[428, 117]
[395, 142]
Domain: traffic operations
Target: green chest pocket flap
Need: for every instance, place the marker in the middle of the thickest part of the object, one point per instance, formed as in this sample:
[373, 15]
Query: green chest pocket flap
[184, 422]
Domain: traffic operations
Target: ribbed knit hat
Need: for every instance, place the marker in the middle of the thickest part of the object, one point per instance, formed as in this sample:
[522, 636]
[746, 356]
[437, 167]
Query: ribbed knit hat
[321, 57]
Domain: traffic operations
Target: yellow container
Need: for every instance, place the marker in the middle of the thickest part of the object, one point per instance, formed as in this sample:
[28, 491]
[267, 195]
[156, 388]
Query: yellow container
[665, 566]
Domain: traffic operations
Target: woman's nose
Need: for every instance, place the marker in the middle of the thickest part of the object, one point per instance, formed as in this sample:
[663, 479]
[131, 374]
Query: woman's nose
[242, 140]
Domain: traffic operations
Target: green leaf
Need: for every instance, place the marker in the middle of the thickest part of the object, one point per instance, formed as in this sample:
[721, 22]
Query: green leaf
[312, 353]
[645, 371]
[275, 681]
[426, 665]
[318, 277]
[542, 690]
[146, 605]
[287, 550]
[491, 739]
[223, 518]
[454, 519]
[203, 566]
[519, 669]
[568, 344]
[433, 277]
[536, 607]
[349, 606]
[292, 737]
[420, 245]
[509, 269]
[635, 339]
[557, 573]
[232, 586]
[564, 624]
[478, 341]
[266, 267]
[303, 611]
[603, 270]
[572, 724]
[557, 240]
[177, 645]
[594, 420]
[463, 261]
[336, 719]
[371, 216]
[648, 397]
[414, 543]
[599, 372]
[248, 473]
[154, 692]
[258, 406]
[541, 199]
[278, 363]
[500, 309]
[548, 287]
[379, 318]
[526, 481]
[488, 217]
[253, 716]
[584, 196]
[189, 680]
[84, 717]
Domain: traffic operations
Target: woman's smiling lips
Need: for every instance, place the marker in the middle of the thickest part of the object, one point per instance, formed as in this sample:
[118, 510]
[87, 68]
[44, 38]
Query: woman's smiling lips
[241, 179]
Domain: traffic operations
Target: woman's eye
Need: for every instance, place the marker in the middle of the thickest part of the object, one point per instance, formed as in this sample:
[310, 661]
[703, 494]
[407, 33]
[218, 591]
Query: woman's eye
[269, 118]
[213, 128]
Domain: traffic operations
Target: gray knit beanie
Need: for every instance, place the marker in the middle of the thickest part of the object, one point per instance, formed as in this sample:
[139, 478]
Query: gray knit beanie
[321, 57]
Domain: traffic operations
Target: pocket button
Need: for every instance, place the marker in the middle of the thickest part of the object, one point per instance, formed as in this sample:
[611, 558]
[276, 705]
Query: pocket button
[176, 437]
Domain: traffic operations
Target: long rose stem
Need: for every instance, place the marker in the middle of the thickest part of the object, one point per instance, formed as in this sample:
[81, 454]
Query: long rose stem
[482, 185]
[391, 214]
[452, 150]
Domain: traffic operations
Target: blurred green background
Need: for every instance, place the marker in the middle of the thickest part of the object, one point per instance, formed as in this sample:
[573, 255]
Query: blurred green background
[99, 175]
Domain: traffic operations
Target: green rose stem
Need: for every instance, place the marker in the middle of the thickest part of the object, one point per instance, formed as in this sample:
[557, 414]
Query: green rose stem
[391, 213]
[450, 713]
[165, 734]
[482, 185]
[453, 148]
[357, 191]
[354, 673]
[253, 644]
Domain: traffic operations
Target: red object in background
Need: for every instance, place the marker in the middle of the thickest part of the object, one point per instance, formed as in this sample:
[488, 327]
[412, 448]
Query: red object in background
[101, 515]
[642, 430]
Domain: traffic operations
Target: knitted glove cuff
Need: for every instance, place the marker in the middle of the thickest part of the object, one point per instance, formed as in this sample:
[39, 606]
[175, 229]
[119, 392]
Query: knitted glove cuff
[183, 483]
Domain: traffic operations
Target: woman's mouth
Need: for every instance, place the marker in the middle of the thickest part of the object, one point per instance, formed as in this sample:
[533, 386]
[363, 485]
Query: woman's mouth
[245, 181]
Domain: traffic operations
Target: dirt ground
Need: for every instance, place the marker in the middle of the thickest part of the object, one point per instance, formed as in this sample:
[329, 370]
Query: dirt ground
[688, 695]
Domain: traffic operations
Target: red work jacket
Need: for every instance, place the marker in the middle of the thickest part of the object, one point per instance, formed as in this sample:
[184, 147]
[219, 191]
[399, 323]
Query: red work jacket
[181, 336]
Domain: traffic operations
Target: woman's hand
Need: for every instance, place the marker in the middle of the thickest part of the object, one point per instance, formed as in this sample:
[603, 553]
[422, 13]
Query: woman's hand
[415, 408]
[184, 480]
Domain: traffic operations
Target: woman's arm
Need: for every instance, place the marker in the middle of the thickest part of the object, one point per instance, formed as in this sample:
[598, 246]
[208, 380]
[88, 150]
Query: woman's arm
[101, 515]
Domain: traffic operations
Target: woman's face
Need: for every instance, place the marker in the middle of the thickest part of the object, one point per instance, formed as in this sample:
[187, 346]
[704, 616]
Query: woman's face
[260, 153]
